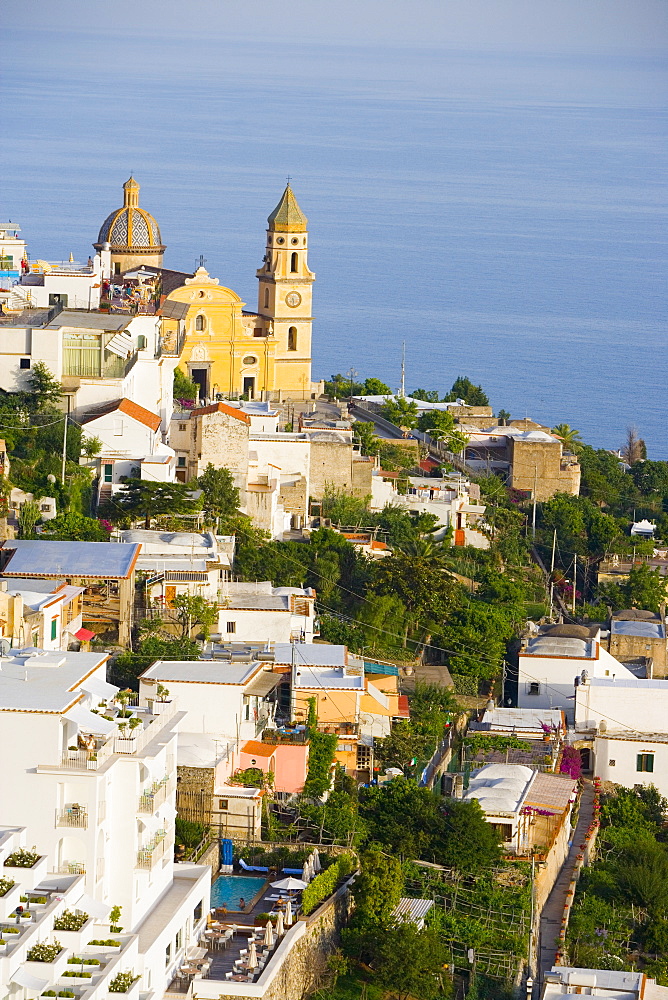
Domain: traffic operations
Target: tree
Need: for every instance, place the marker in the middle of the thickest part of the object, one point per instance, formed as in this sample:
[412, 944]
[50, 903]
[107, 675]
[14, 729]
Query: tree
[503, 416]
[409, 961]
[363, 433]
[463, 388]
[91, 446]
[192, 610]
[634, 449]
[570, 438]
[469, 842]
[44, 389]
[220, 497]
[402, 817]
[374, 387]
[341, 385]
[184, 388]
[29, 515]
[645, 588]
[428, 395]
[140, 498]
[440, 424]
[400, 412]
[71, 526]
[344, 508]
[428, 597]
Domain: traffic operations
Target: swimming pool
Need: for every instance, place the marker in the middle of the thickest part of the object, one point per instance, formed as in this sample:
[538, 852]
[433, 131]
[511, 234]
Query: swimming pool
[227, 890]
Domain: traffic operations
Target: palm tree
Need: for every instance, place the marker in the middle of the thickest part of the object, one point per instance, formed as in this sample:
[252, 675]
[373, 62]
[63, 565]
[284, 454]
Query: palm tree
[570, 438]
[427, 549]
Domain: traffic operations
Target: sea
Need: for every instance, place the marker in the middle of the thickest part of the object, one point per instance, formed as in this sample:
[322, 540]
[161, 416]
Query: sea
[503, 215]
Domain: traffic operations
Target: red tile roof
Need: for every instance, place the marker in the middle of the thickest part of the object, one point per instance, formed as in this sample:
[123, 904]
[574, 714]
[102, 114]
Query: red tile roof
[134, 410]
[231, 411]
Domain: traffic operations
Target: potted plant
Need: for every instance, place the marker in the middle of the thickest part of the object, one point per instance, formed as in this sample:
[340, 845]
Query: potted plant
[122, 982]
[44, 953]
[10, 892]
[162, 700]
[114, 917]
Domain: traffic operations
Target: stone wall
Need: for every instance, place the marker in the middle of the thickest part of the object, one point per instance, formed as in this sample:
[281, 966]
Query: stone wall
[539, 464]
[293, 497]
[628, 647]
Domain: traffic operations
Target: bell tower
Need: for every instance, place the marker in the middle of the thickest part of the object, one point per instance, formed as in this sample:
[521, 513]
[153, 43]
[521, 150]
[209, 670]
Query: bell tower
[285, 296]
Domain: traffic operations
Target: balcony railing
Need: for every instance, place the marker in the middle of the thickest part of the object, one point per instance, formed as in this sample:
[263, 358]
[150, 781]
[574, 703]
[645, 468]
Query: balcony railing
[153, 797]
[149, 855]
[71, 868]
[73, 816]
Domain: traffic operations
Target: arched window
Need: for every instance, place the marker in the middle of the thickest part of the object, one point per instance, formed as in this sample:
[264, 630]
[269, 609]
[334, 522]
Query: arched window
[292, 338]
[293, 262]
[200, 323]
[266, 298]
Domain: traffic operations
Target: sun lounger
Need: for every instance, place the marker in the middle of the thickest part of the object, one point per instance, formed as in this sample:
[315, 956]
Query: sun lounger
[251, 868]
[293, 871]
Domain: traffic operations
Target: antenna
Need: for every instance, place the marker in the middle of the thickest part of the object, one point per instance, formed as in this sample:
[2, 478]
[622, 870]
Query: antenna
[402, 391]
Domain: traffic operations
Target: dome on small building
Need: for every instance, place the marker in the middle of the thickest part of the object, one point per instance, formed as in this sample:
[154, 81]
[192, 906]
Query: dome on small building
[569, 631]
[132, 233]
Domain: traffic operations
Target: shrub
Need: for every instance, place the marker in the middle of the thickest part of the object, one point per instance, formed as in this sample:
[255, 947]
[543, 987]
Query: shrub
[43, 952]
[122, 982]
[22, 859]
[105, 943]
[71, 974]
[65, 993]
[75, 960]
[322, 747]
[5, 885]
[324, 884]
[69, 921]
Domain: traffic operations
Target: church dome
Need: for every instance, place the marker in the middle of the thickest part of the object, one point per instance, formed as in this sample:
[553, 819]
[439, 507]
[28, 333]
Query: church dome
[130, 228]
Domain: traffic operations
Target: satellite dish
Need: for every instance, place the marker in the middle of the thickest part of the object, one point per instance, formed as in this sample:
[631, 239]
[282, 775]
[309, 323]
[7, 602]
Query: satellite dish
[4, 647]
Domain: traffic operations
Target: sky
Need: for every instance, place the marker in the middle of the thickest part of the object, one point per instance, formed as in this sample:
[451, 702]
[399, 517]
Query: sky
[516, 25]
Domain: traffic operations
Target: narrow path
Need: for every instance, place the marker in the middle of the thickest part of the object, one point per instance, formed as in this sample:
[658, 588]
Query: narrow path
[550, 920]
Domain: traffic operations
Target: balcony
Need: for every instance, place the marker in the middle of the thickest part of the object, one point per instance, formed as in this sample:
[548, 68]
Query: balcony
[71, 868]
[148, 856]
[74, 815]
[154, 796]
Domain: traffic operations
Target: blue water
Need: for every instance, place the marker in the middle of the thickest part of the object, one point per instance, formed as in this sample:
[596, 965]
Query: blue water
[504, 215]
[229, 889]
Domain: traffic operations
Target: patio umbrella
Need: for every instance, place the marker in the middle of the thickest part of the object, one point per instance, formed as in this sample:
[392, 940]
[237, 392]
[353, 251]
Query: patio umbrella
[289, 883]
[251, 961]
[280, 927]
[316, 861]
[288, 914]
[306, 872]
[269, 934]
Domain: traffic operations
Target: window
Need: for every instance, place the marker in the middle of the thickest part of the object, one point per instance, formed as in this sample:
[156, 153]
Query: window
[178, 943]
[117, 267]
[24, 363]
[250, 359]
[292, 338]
[141, 342]
[645, 762]
[118, 427]
[200, 322]
[266, 298]
[45, 508]
[197, 912]
[183, 427]
[258, 332]
[54, 635]
[294, 260]
[168, 954]
[611, 763]
[181, 461]
[231, 627]
[6, 262]
[533, 687]
[108, 472]
[223, 804]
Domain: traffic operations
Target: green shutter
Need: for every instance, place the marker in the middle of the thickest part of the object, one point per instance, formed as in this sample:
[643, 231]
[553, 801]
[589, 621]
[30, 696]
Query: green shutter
[649, 762]
[639, 762]
[54, 628]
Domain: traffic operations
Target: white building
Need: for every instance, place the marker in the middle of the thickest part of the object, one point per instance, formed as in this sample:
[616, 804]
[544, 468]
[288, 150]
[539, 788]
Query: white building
[100, 358]
[180, 562]
[51, 612]
[601, 984]
[95, 789]
[66, 283]
[551, 662]
[252, 612]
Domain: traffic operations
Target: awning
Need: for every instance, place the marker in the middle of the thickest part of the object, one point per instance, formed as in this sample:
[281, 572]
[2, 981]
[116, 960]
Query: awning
[84, 634]
[23, 978]
[93, 907]
[121, 344]
[98, 687]
[263, 683]
[89, 721]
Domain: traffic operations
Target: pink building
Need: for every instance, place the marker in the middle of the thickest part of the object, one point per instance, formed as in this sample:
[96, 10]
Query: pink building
[287, 761]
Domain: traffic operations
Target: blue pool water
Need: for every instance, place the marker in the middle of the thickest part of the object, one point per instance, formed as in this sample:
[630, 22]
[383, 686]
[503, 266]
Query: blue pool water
[227, 890]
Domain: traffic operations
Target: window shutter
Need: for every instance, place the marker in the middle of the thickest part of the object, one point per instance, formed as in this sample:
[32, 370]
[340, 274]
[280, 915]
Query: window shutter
[639, 762]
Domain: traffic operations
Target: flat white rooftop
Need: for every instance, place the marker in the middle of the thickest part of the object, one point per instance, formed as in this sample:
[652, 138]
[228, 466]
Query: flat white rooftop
[203, 671]
[38, 681]
[41, 558]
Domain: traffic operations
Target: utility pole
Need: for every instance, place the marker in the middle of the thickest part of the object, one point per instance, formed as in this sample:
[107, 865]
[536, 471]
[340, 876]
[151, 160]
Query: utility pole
[402, 390]
[62, 468]
[533, 519]
[575, 577]
[554, 545]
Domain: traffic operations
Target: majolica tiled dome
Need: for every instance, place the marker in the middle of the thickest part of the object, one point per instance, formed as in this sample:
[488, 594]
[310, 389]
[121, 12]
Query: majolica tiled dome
[130, 229]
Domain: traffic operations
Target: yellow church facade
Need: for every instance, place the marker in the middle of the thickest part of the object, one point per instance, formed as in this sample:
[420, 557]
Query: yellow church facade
[230, 351]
